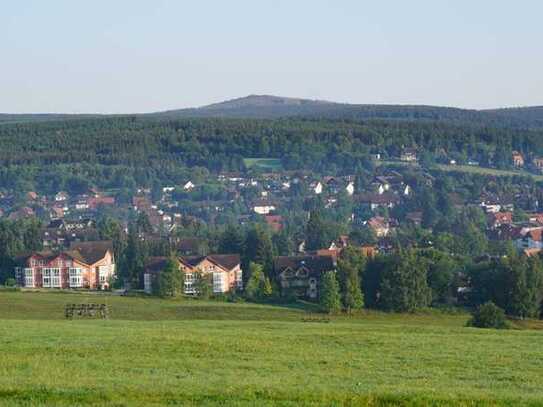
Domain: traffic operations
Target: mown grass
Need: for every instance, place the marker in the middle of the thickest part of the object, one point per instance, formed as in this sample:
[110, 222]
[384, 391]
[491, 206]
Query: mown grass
[186, 352]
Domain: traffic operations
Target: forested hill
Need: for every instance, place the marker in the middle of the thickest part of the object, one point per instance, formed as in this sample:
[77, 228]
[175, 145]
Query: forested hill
[269, 107]
[266, 106]
[41, 117]
[532, 115]
[130, 151]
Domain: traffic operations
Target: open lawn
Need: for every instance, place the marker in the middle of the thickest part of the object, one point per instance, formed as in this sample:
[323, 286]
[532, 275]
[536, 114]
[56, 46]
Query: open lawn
[187, 352]
[266, 164]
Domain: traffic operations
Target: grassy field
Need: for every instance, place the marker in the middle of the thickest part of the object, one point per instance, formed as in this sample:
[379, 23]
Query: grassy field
[155, 352]
[488, 171]
[265, 164]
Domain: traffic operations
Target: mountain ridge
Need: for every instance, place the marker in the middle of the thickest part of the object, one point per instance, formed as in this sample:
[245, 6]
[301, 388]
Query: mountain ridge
[262, 106]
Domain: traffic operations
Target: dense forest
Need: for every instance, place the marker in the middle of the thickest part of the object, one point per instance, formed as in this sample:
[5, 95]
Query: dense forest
[125, 151]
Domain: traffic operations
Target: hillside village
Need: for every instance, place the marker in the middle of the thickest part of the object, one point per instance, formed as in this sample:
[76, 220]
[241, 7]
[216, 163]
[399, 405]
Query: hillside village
[385, 206]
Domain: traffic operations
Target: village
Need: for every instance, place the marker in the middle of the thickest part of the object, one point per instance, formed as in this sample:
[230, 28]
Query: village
[375, 206]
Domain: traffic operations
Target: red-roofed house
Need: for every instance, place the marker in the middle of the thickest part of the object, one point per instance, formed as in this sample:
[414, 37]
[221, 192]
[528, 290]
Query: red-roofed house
[275, 222]
[84, 265]
[499, 218]
[225, 271]
[531, 239]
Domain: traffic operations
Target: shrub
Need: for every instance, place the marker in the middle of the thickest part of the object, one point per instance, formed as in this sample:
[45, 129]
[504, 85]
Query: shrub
[10, 282]
[488, 315]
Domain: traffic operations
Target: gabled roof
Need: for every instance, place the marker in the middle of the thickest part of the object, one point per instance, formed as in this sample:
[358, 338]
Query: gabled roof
[155, 264]
[90, 252]
[226, 261]
[316, 265]
[378, 198]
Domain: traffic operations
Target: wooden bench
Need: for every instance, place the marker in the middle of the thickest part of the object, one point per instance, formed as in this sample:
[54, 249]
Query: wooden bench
[86, 311]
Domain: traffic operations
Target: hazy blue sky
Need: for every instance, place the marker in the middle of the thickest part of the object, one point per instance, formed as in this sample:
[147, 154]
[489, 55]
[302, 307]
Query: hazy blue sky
[139, 56]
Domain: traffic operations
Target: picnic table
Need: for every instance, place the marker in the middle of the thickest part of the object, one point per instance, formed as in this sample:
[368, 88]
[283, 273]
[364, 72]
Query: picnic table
[86, 311]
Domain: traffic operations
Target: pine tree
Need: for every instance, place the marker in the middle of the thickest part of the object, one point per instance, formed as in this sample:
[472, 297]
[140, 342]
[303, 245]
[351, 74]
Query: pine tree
[350, 266]
[231, 241]
[133, 259]
[259, 248]
[255, 284]
[316, 231]
[330, 298]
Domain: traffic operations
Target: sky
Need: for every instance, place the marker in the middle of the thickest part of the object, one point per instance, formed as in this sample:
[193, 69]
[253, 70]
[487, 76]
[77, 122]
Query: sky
[128, 56]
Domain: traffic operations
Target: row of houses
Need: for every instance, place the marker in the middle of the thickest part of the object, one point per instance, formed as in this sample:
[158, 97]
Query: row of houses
[297, 275]
[91, 265]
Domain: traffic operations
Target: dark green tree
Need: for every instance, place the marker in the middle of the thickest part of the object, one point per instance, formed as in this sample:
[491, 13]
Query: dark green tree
[169, 282]
[350, 267]
[404, 286]
[329, 295]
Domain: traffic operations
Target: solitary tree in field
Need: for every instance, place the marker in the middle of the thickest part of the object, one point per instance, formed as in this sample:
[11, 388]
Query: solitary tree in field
[330, 298]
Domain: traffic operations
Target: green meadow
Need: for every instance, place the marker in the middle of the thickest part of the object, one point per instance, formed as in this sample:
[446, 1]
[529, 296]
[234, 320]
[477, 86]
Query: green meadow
[154, 352]
[265, 164]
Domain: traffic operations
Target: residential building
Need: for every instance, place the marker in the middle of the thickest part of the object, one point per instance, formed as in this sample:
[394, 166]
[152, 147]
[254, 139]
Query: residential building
[408, 155]
[532, 239]
[518, 159]
[379, 225]
[263, 207]
[538, 163]
[225, 270]
[300, 276]
[89, 265]
[495, 219]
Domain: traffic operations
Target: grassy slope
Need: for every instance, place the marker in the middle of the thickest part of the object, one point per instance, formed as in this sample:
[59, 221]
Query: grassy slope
[489, 171]
[468, 168]
[155, 352]
[267, 164]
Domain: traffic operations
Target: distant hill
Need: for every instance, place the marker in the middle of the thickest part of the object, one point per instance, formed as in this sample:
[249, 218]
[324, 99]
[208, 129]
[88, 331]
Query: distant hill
[271, 107]
[255, 106]
[532, 115]
[40, 117]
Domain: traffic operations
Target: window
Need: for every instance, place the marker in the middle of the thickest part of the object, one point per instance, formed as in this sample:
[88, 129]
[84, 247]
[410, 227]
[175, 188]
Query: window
[189, 283]
[239, 280]
[218, 286]
[55, 277]
[75, 277]
[46, 277]
[29, 277]
[103, 274]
